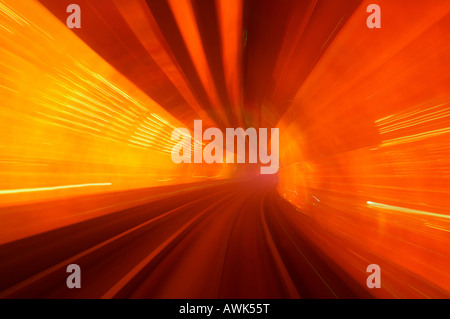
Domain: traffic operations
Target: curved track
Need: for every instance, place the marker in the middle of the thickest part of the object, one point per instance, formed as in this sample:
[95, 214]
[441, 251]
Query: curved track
[233, 241]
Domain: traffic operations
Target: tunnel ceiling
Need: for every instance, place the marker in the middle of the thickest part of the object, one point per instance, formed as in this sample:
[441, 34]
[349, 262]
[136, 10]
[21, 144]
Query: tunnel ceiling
[231, 65]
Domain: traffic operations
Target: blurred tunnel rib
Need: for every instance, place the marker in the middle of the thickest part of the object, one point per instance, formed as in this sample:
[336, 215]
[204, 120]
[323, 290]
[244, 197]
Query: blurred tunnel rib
[85, 149]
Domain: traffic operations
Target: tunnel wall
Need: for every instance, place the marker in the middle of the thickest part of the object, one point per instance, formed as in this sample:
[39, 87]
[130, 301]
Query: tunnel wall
[364, 144]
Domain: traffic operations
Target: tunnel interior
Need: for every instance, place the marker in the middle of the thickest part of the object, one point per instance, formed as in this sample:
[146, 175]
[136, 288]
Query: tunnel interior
[364, 151]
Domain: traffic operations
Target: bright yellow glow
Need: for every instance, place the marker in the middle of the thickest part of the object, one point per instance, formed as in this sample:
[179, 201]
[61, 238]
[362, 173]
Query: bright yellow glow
[405, 210]
[71, 117]
[42, 189]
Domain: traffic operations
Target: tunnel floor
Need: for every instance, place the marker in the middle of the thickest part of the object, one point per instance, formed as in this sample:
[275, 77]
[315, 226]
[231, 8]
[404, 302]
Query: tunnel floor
[221, 241]
[229, 242]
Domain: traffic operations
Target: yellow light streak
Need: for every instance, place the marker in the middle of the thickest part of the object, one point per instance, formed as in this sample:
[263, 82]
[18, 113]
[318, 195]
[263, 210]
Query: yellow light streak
[406, 210]
[42, 189]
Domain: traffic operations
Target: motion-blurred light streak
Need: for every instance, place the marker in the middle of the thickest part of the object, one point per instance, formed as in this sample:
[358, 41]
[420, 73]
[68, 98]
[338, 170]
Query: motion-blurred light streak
[406, 210]
[185, 18]
[41, 189]
[54, 84]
